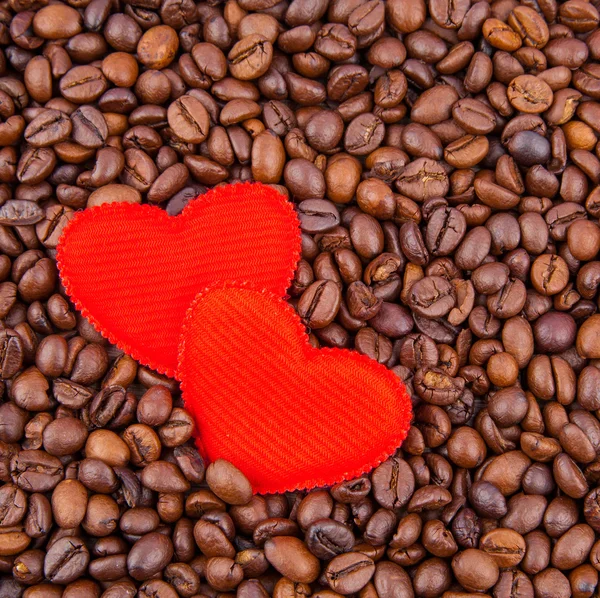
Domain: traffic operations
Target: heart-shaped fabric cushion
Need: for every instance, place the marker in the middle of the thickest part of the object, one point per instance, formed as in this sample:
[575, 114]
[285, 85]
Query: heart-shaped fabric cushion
[133, 271]
[288, 415]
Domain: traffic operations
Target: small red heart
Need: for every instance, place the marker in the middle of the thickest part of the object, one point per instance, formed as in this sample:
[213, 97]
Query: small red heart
[288, 415]
[133, 271]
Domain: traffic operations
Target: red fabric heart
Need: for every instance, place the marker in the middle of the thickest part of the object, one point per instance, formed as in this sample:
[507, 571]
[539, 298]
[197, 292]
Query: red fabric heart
[288, 415]
[133, 271]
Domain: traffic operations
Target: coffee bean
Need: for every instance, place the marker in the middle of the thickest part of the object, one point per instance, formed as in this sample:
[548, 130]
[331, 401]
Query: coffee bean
[13, 503]
[445, 230]
[319, 304]
[108, 447]
[364, 134]
[393, 483]
[189, 119]
[432, 297]
[66, 560]
[349, 573]
[178, 429]
[154, 407]
[50, 127]
[64, 436]
[157, 47]
[228, 483]
[475, 569]
[250, 57]
[529, 94]
[89, 127]
[148, 555]
[549, 274]
[423, 179]
[304, 179]
[530, 25]
[327, 538]
[586, 343]
[290, 557]
[36, 470]
[434, 105]
[144, 444]
[317, 215]
[69, 503]
[83, 84]
[529, 148]
[162, 476]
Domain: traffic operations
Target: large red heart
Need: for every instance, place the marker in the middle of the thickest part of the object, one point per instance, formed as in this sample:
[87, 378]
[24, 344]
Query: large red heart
[133, 271]
[288, 415]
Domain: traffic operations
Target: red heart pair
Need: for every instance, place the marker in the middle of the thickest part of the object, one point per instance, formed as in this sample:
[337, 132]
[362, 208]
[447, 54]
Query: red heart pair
[288, 415]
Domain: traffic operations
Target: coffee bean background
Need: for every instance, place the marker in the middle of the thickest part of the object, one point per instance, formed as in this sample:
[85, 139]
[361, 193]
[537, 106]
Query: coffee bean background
[443, 157]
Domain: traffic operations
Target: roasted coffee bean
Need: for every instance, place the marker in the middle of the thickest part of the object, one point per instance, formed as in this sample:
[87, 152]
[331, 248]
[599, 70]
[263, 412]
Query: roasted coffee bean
[189, 119]
[432, 297]
[64, 436]
[149, 554]
[364, 134]
[228, 483]
[317, 215]
[83, 84]
[445, 229]
[327, 538]
[319, 304]
[475, 569]
[393, 483]
[250, 57]
[36, 470]
[50, 127]
[66, 560]
[349, 573]
[529, 94]
[290, 557]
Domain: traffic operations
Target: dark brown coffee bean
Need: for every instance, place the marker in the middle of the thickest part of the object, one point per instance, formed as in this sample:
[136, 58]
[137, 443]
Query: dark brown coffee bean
[319, 304]
[89, 127]
[349, 573]
[364, 134]
[317, 215]
[189, 119]
[83, 84]
[66, 560]
[327, 538]
[149, 555]
[393, 483]
[432, 297]
[445, 230]
[50, 127]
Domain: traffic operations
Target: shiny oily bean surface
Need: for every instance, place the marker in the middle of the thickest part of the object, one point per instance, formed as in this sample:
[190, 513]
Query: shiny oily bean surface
[443, 161]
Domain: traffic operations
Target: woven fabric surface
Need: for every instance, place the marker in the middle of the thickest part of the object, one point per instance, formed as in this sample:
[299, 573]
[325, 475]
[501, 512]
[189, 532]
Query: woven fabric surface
[288, 415]
[133, 271]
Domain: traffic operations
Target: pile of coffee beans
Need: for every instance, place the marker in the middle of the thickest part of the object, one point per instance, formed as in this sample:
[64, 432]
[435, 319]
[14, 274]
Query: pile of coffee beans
[443, 157]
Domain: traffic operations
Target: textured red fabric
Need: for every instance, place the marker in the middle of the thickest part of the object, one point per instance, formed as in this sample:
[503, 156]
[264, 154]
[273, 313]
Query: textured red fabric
[288, 415]
[133, 271]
